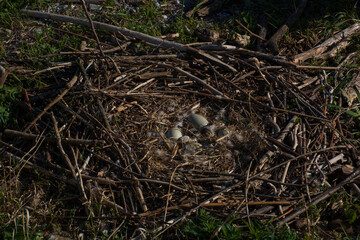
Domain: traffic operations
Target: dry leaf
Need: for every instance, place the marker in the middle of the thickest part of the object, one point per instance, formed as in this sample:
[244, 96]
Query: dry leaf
[125, 106]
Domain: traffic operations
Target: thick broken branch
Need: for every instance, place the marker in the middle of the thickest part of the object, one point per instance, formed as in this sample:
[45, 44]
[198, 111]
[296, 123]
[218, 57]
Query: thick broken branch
[329, 45]
[272, 43]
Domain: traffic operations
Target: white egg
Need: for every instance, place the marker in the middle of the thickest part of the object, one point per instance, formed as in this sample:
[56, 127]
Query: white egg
[198, 121]
[174, 133]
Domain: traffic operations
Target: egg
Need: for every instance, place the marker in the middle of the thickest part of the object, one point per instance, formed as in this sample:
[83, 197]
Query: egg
[174, 133]
[198, 121]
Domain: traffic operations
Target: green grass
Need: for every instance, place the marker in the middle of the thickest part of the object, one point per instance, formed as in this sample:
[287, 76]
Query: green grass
[7, 98]
[19, 230]
[203, 226]
[10, 10]
[150, 19]
[146, 19]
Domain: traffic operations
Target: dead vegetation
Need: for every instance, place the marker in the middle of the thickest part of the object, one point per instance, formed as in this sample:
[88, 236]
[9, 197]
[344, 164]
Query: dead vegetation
[93, 140]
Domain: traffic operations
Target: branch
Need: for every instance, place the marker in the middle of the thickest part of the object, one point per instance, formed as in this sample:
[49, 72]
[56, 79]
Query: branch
[15, 133]
[57, 99]
[150, 39]
[272, 43]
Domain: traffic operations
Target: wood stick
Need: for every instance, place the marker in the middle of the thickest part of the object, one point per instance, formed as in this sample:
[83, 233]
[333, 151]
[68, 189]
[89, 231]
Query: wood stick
[15, 133]
[320, 49]
[219, 204]
[57, 99]
[323, 196]
[272, 43]
[118, 207]
[198, 80]
[140, 195]
[93, 29]
[46, 172]
[62, 151]
[147, 38]
[250, 32]
[282, 136]
[275, 59]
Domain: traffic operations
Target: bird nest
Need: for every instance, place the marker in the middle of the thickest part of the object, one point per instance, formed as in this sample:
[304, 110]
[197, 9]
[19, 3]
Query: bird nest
[101, 134]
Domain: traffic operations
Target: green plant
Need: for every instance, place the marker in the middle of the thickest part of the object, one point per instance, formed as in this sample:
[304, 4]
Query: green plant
[259, 230]
[147, 18]
[10, 9]
[347, 237]
[353, 111]
[343, 206]
[203, 226]
[352, 210]
[7, 97]
[20, 229]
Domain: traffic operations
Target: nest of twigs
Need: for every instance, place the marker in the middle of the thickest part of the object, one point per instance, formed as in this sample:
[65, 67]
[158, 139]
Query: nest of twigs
[100, 132]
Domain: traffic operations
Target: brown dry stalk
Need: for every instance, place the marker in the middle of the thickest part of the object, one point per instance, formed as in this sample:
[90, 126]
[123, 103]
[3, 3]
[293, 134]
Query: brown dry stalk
[198, 80]
[93, 29]
[322, 196]
[69, 85]
[284, 132]
[24, 135]
[220, 204]
[250, 32]
[62, 151]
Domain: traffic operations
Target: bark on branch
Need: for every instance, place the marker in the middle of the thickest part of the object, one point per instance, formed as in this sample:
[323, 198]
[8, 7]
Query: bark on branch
[147, 38]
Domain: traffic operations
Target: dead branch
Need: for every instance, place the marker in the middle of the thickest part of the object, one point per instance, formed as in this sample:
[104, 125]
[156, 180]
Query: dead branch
[270, 153]
[69, 85]
[93, 29]
[198, 80]
[329, 46]
[272, 43]
[159, 42]
[322, 196]
[250, 32]
[71, 141]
